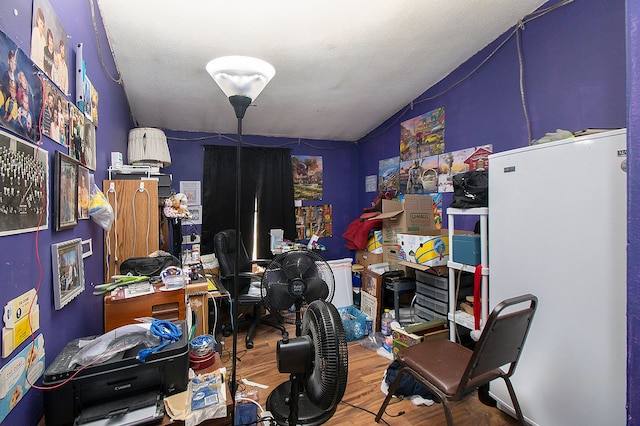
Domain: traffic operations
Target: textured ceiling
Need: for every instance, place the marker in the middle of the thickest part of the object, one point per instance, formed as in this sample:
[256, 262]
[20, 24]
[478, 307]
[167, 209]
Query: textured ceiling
[342, 67]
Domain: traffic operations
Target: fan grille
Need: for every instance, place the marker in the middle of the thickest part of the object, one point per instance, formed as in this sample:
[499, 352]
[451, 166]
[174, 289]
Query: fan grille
[327, 381]
[296, 277]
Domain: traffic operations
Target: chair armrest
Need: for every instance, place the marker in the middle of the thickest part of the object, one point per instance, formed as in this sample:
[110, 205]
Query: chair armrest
[261, 262]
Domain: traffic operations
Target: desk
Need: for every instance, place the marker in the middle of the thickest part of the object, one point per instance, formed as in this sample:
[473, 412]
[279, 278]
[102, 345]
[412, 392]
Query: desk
[162, 305]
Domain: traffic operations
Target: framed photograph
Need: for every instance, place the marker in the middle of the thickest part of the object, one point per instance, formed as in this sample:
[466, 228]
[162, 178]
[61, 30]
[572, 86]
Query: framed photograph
[191, 188]
[196, 215]
[23, 199]
[65, 192]
[83, 192]
[68, 271]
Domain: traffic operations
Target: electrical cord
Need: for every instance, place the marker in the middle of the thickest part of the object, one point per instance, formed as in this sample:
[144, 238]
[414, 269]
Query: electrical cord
[368, 411]
[168, 333]
[133, 208]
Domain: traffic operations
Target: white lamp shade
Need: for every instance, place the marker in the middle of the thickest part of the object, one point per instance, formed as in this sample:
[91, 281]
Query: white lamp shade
[148, 146]
[241, 75]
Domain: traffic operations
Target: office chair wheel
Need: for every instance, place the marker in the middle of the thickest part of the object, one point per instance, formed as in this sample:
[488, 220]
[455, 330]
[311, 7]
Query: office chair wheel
[227, 330]
[249, 345]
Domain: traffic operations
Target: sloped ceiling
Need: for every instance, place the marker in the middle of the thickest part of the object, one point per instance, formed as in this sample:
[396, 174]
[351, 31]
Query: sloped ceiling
[342, 67]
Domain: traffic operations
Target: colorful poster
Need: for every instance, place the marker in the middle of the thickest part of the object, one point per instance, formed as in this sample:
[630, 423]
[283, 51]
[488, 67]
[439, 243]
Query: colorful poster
[20, 91]
[422, 136]
[419, 176]
[388, 175]
[17, 376]
[49, 44]
[307, 177]
[314, 220]
[464, 160]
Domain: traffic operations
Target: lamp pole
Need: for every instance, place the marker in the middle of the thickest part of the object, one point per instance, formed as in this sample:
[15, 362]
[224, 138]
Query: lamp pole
[240, 104]
[241, 78]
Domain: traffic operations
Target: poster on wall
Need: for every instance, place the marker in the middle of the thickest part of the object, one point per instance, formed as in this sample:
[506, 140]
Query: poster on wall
[20, 92]
[307, 177]
[437, 209]
[464, 160]
[55, 114]
[49, 44]
[314, 220]
[422, 136]
[388, 175]
[76, 134]
[17, 375]
[419, 176]
[24, 178]
[88, 156]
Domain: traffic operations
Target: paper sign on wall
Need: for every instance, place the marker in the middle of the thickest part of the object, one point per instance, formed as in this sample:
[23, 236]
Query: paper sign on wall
[19, 321]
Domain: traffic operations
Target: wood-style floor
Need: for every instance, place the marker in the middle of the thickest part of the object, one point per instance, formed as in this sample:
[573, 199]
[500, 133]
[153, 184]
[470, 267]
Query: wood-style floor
[363, 396]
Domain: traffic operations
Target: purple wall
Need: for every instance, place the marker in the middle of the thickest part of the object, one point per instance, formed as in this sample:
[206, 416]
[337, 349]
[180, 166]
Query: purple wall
[84, 315]
[338, 174]
[574, 77]
[633, 209]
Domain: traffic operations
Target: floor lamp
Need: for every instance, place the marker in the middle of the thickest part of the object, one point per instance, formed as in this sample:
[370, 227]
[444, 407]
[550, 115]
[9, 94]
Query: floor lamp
[241, 78]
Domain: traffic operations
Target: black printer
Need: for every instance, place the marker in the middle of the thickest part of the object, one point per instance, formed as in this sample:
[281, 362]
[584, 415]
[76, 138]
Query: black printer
[116, 387]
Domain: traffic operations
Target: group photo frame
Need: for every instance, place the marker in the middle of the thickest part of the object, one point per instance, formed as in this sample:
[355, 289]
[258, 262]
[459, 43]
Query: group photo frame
[65, 194]
[68, 271]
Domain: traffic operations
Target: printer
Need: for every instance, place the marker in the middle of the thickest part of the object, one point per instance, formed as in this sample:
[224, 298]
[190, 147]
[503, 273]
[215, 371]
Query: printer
[121, 387]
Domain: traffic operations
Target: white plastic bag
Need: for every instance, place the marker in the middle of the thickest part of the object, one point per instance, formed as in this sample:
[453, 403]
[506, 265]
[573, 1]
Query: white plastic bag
[99, 208]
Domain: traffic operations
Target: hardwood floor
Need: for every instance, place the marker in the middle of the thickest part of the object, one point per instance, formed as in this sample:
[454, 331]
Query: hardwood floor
[363, 396]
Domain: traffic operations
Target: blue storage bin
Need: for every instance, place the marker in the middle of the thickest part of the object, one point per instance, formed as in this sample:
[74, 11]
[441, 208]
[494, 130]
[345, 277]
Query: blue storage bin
[466, 249]
[354, 322]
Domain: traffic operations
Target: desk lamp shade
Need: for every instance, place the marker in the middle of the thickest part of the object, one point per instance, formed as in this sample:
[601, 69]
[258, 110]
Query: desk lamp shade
[241, 75]
[148, 146]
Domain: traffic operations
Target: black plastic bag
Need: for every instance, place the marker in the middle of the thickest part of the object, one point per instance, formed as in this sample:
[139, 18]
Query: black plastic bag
[471, 189]
[148, 266]
[408, 385]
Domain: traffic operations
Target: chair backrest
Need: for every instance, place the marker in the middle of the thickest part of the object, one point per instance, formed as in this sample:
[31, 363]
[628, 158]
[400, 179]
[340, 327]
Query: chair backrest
[224, 246]
[502, 338]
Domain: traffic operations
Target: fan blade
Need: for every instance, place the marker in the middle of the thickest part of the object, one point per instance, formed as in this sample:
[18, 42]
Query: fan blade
[278, 296]
[316, 289]
[296, 264]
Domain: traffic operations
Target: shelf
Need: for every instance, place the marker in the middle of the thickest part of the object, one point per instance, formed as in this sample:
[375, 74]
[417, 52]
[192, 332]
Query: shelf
[477, 211]
[464, 319]
[466, 268]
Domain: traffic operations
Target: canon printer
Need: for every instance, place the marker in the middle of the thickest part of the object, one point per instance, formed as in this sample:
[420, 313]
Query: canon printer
[122, 387]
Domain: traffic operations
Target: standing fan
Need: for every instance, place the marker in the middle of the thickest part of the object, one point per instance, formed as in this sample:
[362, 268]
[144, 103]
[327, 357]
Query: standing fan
[293, 279]
[317, 357]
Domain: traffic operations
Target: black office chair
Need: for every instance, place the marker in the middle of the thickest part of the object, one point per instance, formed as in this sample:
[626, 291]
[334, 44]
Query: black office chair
[224, 243]
[451, 371]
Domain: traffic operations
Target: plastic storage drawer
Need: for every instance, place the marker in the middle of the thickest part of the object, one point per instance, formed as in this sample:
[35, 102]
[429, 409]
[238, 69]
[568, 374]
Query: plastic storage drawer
[433, 304]
[432, 292]
[432, 280]
[426, 314]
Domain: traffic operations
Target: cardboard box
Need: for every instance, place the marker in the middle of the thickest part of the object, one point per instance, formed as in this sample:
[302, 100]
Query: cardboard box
[429, 249]
[390, 255]
[374, 244]
[414, 215]
[414, 334]
[366, 258]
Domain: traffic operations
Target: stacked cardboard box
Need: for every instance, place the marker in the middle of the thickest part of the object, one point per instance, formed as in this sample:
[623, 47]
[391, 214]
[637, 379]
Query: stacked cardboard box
[414, 215]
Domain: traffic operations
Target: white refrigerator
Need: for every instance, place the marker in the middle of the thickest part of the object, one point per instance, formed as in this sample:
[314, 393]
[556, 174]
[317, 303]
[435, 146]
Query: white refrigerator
[557, 229]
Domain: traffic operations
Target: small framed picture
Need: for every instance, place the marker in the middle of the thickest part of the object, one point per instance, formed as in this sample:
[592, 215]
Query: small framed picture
[196, 214]
[68, 271]
[83, 192]
[65, 193]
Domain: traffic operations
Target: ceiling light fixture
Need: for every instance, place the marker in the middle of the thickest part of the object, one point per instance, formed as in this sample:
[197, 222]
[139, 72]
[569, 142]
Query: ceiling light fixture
[242, 79]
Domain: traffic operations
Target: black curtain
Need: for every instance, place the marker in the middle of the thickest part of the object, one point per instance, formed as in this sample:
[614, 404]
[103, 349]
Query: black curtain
[266, 173]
